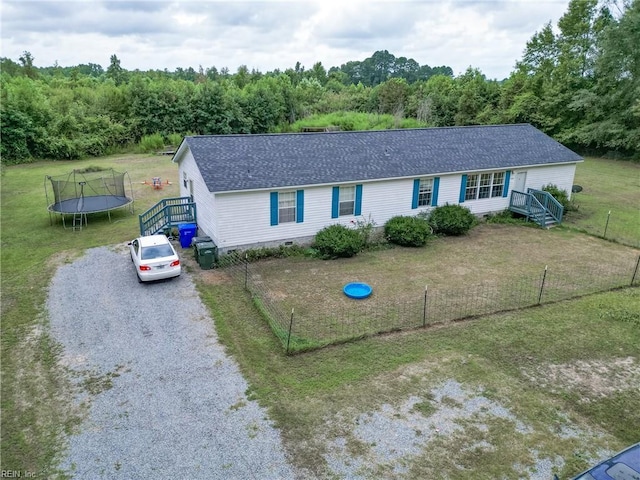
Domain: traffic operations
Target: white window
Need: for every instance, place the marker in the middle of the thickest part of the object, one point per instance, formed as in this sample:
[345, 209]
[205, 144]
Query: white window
[286, 207]
[425, 192]
[484, 185]
[347, 200]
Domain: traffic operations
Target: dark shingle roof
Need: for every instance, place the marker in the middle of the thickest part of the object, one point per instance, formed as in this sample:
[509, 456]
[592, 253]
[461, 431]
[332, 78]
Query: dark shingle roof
[247, 162]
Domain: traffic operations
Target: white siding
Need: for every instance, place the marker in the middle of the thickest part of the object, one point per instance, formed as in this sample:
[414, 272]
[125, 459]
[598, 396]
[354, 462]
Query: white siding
[243, 219]
[205, 201]
[560, 175]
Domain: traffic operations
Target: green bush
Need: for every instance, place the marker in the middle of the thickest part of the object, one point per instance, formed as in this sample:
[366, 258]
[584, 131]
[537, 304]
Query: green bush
[506, 217]
[407, 231]
[281, 251]
[174, 139]
[338, 241]
[560, 195]
[452, 220]
[151, 143]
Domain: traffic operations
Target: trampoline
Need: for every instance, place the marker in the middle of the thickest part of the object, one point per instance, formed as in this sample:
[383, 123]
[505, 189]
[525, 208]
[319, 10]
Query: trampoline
[80, 193]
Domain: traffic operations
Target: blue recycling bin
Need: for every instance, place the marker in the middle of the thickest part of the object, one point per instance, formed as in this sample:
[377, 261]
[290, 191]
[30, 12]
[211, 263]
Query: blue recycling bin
[187, 231]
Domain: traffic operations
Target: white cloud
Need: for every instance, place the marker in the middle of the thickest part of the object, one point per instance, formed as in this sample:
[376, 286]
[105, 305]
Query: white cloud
[489, 35]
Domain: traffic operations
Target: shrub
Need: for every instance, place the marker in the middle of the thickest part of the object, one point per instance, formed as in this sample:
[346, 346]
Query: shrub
[407, 231]
[452, 219]
[174, 139]
[365, 229]
[338, 241]
[150, 143]
[506, 217]
[281, 251]
[560, 195]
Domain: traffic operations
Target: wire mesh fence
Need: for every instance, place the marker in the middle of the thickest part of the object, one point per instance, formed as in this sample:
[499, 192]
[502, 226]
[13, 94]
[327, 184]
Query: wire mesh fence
[320, 325]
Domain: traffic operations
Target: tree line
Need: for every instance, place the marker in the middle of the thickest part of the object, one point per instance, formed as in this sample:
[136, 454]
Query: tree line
[578, 82]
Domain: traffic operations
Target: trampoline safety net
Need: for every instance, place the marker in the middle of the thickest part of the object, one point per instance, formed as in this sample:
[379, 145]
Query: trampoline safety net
[77, 185]
[81, 192]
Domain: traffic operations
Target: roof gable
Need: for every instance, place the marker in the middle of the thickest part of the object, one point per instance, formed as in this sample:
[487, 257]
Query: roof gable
[248, 162]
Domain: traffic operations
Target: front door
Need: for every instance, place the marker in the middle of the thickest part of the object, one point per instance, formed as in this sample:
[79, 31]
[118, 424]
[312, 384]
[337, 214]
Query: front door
[520, 181]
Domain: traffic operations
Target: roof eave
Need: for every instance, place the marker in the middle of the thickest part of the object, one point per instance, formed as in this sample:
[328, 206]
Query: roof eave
[180, 151]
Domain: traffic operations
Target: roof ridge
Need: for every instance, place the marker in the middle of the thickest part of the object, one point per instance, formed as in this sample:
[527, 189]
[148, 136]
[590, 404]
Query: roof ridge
[448, 127]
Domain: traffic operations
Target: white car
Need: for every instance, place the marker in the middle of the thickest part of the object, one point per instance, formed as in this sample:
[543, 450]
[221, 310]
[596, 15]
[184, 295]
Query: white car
[154, 258]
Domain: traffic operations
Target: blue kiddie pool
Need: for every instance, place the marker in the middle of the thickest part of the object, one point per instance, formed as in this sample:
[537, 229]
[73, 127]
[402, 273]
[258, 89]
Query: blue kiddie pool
[357, 290]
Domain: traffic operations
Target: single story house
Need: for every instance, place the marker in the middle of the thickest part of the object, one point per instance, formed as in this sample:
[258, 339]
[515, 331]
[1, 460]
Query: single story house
[274, 189]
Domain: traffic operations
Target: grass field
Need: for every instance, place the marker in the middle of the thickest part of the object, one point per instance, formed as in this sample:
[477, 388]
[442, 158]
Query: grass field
[562, 368]
[608, 186]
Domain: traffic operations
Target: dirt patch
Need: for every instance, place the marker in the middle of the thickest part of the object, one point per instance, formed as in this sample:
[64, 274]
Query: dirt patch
[60, 258]
[212, 277]
[593, 379]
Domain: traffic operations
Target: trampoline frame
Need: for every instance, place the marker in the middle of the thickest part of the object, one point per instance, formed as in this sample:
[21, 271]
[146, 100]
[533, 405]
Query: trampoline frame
[81, 204]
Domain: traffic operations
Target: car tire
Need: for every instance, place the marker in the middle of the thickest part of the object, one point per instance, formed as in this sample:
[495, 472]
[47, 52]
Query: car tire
[139, 279]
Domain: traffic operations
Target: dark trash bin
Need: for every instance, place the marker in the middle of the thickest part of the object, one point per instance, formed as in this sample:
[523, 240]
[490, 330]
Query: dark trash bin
[187, 231]
[194, 243]
[200, 239]
[206, 254]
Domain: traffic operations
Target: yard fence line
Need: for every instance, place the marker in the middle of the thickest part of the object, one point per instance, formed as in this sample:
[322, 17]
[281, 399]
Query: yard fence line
[375, 316]
[610, 227]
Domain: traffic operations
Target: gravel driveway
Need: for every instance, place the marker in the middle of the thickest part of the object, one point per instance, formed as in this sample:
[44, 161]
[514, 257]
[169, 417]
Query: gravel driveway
[164, 400]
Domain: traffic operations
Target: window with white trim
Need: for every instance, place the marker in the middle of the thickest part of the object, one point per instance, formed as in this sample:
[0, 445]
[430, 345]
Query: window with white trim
[484, 185]
[425, 192]
[347, 200]
[286, 207]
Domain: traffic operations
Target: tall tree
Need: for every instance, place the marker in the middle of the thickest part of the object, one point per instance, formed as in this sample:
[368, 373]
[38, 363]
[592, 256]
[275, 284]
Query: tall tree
[26, 60]
[115, 71]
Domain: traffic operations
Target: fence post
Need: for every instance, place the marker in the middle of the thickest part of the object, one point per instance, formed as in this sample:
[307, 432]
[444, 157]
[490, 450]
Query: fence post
[246, 270]
[290, 328]
[544, 277]
[606, 225]
[635, 271]
[424, 308]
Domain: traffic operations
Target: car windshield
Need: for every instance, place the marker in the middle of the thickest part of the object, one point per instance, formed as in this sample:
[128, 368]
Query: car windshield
[156, 251]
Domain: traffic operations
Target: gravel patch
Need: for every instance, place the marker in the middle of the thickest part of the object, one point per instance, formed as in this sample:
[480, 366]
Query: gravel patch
[396, 434]
[163, 398]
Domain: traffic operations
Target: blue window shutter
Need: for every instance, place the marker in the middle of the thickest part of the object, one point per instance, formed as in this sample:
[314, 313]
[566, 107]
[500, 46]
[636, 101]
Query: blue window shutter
[358, 200]
[274, 208]
[507, 177]
[416, 192]
[463, 188]
[300, 206]
[434, 194]
[334, 202]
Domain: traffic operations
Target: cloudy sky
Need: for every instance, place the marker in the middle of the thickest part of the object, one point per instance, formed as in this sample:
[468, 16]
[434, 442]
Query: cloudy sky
[157, 34]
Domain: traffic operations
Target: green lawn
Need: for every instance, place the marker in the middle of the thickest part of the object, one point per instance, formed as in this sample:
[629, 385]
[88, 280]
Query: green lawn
[493, 268]
[319, 398]
[608, 186]
[535, 363]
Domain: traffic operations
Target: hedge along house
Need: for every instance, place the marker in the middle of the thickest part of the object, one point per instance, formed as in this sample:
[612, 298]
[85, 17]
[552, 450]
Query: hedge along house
[274, 189]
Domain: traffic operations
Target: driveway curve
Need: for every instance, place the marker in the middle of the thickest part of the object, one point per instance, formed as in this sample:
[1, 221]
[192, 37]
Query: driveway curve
[163, 399]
